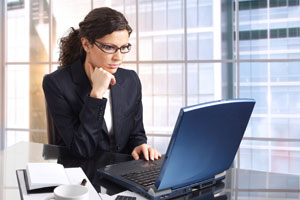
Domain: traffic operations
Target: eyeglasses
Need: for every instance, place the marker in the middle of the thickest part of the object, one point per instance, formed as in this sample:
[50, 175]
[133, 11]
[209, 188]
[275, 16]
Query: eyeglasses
[111, 49]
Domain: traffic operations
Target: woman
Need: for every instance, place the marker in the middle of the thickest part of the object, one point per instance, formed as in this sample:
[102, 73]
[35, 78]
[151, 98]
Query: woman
[95, 104]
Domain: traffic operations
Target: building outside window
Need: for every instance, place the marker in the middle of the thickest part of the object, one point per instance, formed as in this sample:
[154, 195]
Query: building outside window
[270, 45]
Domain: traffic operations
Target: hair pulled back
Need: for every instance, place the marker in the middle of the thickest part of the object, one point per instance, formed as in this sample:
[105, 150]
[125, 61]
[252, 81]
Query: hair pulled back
[98, 23]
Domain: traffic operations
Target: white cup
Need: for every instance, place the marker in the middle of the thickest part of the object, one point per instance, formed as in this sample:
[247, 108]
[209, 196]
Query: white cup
[71, 192]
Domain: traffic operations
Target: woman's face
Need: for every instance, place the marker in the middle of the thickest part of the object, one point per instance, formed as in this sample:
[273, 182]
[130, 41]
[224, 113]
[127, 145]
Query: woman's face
[109, 62]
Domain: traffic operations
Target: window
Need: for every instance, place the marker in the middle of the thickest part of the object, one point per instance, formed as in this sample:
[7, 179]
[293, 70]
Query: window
[185, 53]
[271, 142]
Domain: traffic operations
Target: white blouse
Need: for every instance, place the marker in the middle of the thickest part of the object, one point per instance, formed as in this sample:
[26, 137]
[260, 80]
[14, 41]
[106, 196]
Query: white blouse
[108, 112]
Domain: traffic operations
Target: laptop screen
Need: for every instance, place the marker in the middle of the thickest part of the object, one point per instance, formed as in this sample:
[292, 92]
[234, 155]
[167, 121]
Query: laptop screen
[204, 142]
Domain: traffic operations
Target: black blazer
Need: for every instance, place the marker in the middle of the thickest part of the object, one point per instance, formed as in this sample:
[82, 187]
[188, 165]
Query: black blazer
[79, 118]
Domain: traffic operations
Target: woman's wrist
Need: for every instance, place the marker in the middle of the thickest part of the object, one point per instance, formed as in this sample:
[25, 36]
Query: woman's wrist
[97, 94]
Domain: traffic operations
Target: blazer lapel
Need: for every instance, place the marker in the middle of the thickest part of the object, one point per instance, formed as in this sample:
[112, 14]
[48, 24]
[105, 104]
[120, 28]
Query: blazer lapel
[83, 86]
[117, 93]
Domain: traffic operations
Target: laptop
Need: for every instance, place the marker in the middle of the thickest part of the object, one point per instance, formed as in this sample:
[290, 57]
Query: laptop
[203, 145]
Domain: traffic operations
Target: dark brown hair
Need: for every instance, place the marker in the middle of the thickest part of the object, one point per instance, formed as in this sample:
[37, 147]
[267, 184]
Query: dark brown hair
[98, 23]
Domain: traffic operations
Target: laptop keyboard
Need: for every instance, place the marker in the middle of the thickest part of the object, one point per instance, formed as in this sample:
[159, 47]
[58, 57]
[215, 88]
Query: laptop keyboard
[145, 178]
[122, 197]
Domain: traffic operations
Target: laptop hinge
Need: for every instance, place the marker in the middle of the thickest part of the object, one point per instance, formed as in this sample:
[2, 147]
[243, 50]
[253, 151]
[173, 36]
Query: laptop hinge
[220, 175]
[159, 193]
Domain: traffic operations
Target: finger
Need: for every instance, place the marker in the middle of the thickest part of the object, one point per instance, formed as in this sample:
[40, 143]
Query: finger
[135, 155]
[145, 152]
[151, 152]
[156, 154]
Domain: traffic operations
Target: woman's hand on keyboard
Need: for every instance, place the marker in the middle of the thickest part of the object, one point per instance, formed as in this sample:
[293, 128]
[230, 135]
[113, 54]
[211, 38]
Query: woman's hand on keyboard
[147, 151]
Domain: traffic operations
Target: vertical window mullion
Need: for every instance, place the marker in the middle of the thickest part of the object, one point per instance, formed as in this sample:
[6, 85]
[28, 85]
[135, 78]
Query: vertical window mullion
[185, 51]
[50, 36]
[3, 39]
[137, 36]
[237, 75]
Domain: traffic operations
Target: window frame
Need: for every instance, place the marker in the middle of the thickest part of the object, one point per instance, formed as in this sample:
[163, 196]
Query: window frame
[233, 76]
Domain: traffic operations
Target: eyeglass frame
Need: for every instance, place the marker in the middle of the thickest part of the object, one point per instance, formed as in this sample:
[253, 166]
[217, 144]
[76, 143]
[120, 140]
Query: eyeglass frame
[101, 45]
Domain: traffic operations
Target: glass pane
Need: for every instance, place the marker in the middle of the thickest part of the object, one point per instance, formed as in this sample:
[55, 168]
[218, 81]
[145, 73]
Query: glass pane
[176, 79]
[160, 79]
[145, 48]
[209, 30]
[37, 98]
[201, 46]
[163, 95]
[14, 137]
[160, 113]
[130, 12]
[54, 67]
[161, 144]
[66, 14]
[197, 11]
[28, 32]
[259, 93]
[285, 100]
[175, 47]
[275, 87]
[25, 98]
[150, 140]
[175, 30]
[148, 113]
[145, 16]
[175, 14]
[160, 15]
[146, 76]
[175, 103]
[285, 71]
[202, 85]
[257, 126]
[145, 30]
[282, 157]
[159, 47]
[254, 155]
[253, 72]
[17, 96]
[161, 30]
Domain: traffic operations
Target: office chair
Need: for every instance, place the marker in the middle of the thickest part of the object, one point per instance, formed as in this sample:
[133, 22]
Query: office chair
[52, 132]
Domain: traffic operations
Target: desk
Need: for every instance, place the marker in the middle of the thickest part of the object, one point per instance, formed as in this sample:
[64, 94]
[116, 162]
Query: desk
[239, 183]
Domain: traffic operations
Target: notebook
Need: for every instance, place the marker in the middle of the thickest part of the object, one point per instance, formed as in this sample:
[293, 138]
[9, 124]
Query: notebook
[75, 176]
[203, 145]
[45, 175]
